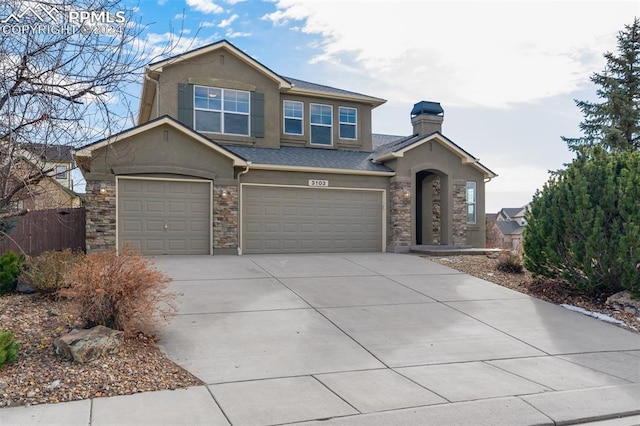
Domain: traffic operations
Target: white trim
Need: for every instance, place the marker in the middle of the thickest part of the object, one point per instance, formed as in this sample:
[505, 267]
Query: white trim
[355, 138]
[304, 169]
[221, 111]
[465, 157]
[157, 67]
[284, 118]
[311, 124]
[369, 100]
[383, 196]
[86, 151]
[210, 182]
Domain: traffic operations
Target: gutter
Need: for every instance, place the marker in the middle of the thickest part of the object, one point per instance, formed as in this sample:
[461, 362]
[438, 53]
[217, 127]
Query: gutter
[146, 77]
[246, 170]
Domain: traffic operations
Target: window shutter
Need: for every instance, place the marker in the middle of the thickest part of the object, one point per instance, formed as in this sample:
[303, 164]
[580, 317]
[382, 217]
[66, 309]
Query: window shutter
[257, 114]
[185, 104]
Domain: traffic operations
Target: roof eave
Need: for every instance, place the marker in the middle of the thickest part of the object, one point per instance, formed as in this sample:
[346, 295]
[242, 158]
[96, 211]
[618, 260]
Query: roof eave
[285, 168]
[159, 66]
[87, 150]
[465, 157]
[374, 102]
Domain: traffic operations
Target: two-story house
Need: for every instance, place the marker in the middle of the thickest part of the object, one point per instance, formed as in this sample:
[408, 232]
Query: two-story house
[230, 157]
[55, 190]
[509, 226]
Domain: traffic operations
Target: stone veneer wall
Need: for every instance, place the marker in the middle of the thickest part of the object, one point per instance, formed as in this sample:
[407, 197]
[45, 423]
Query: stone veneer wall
[101, 216]
[437, 224]
[225, 217]
[400, 214]
[459, 224]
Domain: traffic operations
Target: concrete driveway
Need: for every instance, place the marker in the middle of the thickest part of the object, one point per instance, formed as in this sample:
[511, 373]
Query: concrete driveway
[389, 339]
[369, 339]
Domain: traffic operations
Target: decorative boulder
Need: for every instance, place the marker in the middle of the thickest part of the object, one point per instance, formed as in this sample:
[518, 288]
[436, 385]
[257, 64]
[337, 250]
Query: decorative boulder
[86, 345]
[624, 301]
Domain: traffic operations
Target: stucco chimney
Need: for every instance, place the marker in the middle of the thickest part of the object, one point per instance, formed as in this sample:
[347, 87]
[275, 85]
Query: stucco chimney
[427, 117]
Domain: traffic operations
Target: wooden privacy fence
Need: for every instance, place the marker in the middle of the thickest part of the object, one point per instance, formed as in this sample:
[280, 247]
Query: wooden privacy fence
[44, 230]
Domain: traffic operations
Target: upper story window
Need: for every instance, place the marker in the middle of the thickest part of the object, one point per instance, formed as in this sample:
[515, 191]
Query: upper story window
[221, 110]
[348, 122]
[321, 120]
[471, 202]
[61, 172]
[293, 121]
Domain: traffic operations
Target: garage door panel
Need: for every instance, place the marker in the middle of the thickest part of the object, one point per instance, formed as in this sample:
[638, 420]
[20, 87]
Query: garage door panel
[310, 220]
[164, 216]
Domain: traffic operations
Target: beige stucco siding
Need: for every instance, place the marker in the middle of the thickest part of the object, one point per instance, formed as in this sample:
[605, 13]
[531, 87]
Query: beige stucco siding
[162, 150]
[230, 72]
[302, 179]
[434, 156]
[363, 136]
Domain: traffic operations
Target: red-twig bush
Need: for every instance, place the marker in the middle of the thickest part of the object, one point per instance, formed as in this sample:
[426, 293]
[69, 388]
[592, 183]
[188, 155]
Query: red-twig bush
[124, 292]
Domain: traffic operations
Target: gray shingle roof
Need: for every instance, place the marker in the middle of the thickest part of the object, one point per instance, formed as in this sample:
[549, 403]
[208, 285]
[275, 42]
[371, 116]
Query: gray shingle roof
[398, 144]
[51, 152]
[511, 211]
[309, 157]
[301, 84]
[378, 139]
[510, 227]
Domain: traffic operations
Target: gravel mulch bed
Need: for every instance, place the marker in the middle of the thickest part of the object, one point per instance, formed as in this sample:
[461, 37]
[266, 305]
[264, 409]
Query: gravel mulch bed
[40, 376]
[485, 267]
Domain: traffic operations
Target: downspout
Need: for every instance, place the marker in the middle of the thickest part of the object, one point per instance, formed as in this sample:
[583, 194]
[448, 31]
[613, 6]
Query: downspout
[240, 208]
[146, 77]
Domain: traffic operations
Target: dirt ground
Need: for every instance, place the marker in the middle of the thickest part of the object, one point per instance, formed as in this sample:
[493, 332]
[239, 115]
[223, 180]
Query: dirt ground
[40, 376]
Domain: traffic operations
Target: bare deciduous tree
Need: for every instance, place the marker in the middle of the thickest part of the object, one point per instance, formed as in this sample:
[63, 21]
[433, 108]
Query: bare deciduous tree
[65, 69]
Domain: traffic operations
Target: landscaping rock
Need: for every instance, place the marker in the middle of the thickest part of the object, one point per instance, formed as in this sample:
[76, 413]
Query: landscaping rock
[87, 345]
[624, 301]
[25, 288]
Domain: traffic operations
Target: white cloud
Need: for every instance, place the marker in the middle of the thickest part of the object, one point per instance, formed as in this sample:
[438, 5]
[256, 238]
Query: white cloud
[232, 2]
[466, 53]
[205, 6]
[226, 22]
[236, 34]
[207, 24]
[179, 16]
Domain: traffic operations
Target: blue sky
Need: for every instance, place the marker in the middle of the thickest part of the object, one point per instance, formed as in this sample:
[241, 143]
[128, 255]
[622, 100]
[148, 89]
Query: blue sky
[506, 73]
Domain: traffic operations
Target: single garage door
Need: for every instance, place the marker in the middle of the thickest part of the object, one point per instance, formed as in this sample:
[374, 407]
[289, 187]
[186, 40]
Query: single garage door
[164, 216]
[292, 220]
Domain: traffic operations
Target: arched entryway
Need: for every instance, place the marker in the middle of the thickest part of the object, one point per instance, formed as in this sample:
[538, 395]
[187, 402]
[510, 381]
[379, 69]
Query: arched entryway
[433, 198]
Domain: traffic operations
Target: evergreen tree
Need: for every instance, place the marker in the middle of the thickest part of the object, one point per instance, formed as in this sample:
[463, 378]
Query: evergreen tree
[584, 226]
[615, 122]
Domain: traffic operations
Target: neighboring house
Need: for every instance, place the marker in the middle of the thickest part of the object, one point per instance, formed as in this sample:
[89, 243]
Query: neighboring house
[509, 225]
[230, 157]
[53, 191]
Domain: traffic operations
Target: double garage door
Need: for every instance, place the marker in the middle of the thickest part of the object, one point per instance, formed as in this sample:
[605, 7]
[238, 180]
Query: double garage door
[165, 216]
[298, 220]
[158, 216]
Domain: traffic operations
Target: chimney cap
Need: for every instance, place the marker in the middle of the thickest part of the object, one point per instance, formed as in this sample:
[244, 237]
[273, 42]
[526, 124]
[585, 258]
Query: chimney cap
[427, 107]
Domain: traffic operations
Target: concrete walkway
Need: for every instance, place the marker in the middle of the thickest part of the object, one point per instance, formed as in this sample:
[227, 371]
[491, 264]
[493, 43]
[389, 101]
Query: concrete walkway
[369, 339]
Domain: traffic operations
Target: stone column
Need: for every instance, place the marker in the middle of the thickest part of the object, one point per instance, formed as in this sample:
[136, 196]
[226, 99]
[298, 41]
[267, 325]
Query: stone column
[225, 218]
[459, 224]
[101, 215]
[400, 216]
[435, 214]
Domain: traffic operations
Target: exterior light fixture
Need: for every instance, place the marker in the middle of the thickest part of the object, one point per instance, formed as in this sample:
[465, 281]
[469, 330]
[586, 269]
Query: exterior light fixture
[406, 193]
[224, 193]
[103, 188]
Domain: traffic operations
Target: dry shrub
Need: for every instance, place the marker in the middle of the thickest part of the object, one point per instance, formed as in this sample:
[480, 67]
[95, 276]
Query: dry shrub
[48, 272]
[510, 262]
[124, 292]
